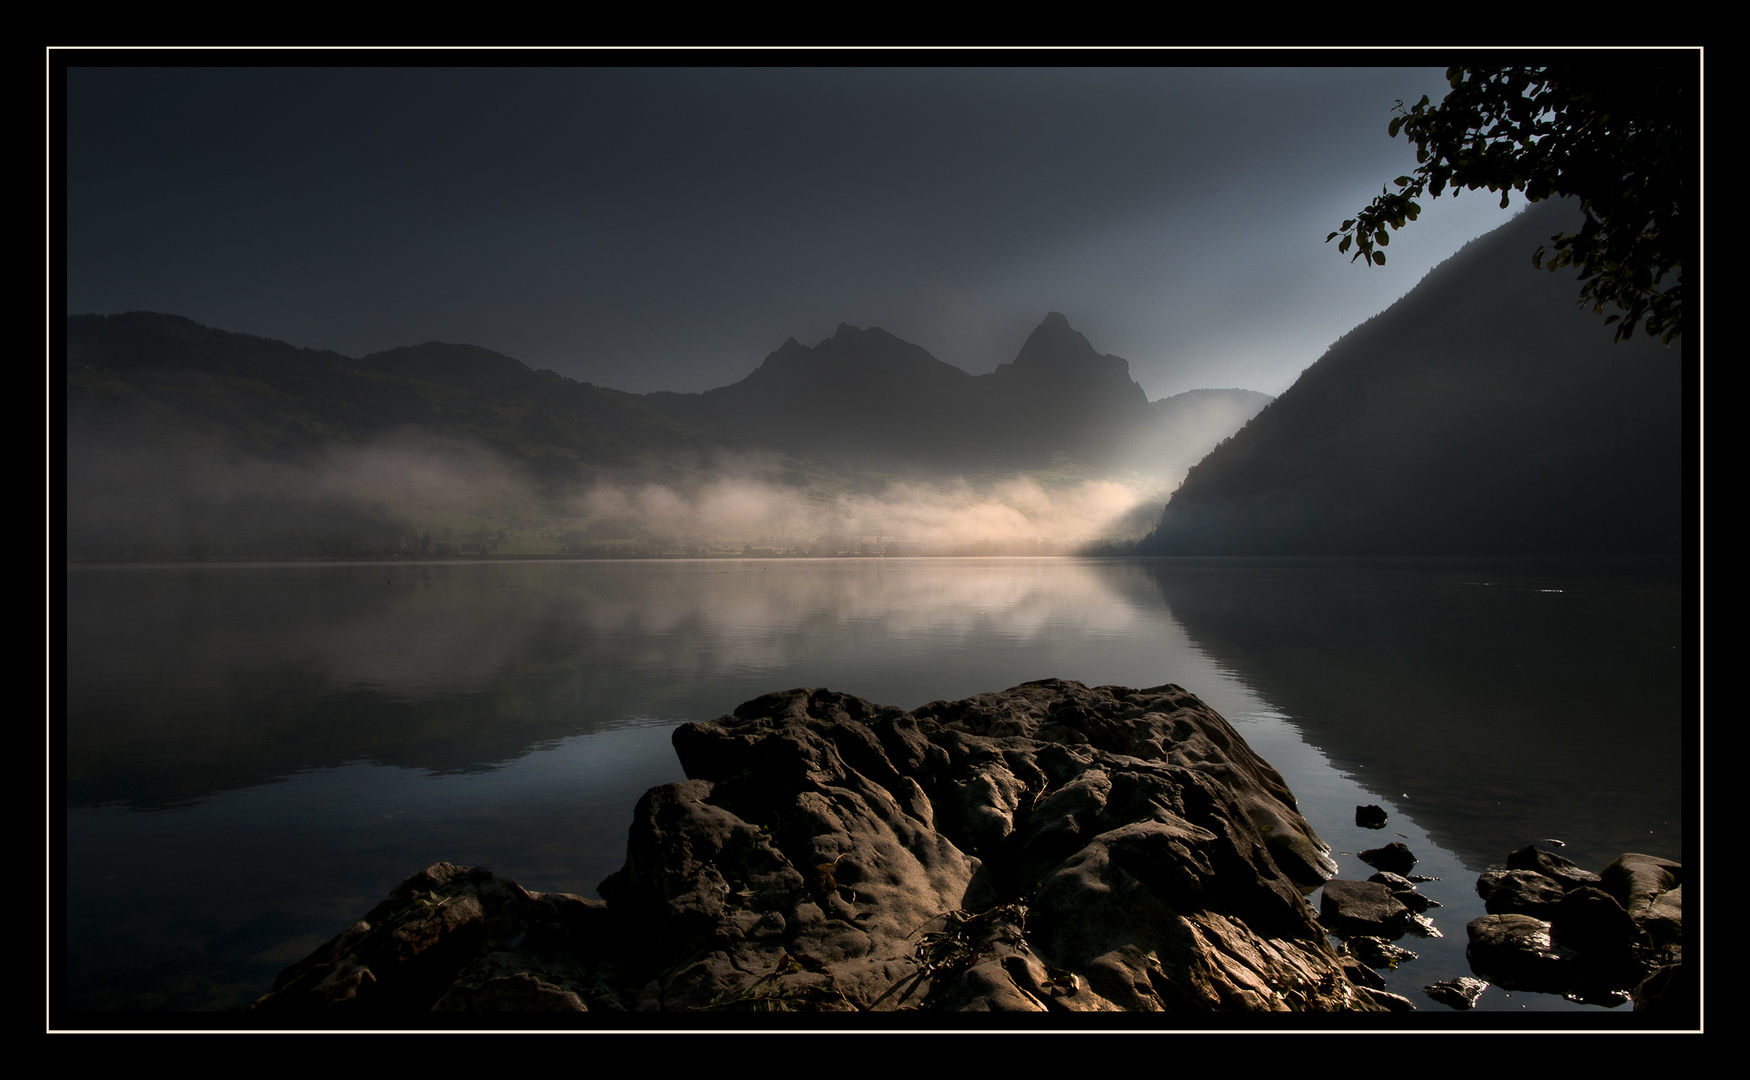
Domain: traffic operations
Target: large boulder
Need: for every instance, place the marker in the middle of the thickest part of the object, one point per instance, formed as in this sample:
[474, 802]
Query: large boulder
[1053, 847]
[1650, 890]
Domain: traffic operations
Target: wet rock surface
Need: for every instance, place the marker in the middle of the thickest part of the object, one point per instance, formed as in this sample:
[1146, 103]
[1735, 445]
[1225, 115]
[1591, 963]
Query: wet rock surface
[1355, 909]
[1050, 848]
[1394, 857]
[1460, 993]
[1557, 928]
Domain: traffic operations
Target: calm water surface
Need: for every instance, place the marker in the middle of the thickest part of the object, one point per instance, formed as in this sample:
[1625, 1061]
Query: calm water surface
[256, 754]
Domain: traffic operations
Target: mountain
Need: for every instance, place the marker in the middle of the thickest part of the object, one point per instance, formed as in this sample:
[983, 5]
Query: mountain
[184, 439]
[865, 397]
[1482, 414]
[171, 379]
[1068, 396]
[861, 396]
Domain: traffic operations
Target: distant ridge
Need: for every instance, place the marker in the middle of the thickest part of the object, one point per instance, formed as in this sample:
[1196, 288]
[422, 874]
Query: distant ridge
[1482, 414]
[188, 441]
[861, 396]
[867, 397]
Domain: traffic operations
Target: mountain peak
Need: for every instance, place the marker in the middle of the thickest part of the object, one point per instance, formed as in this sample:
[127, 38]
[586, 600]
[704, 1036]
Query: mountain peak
[1057, 365]
[1055, 344]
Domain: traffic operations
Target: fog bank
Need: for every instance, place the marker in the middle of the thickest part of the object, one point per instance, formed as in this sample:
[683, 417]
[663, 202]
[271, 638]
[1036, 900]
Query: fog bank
[413, 494]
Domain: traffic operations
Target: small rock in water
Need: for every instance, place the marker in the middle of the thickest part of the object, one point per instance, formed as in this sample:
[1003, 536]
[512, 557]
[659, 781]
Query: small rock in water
[1460, 993]
[1551, 865]
[1395, 857]
[1370, 817]
[1377, 952]
[1423, 926]
[1362, 909]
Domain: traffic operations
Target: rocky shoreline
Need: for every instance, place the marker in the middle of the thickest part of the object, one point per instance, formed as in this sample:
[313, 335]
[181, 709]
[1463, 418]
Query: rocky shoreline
[1049, 848]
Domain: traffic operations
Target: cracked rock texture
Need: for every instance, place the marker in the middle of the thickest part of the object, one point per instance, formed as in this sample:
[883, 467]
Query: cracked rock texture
[1053, 847]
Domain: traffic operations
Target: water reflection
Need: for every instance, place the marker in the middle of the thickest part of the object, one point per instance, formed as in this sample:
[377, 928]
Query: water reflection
[185, 682]
[304, 736]
[1503, 704]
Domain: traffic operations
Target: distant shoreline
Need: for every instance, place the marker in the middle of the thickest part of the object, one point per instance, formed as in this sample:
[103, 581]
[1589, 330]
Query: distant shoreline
[1615, 565]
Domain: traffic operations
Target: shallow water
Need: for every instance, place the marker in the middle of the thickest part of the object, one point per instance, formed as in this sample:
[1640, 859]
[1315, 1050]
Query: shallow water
[256, 754]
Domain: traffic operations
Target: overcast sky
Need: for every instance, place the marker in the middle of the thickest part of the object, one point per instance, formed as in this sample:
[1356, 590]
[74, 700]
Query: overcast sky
[664, 229]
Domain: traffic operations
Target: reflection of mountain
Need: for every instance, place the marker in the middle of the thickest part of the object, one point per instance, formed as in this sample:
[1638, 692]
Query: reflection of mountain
[1507, 704]
[189, 681]
[1482, 414]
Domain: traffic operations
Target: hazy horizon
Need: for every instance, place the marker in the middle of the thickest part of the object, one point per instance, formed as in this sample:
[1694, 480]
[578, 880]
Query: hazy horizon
[667, 228]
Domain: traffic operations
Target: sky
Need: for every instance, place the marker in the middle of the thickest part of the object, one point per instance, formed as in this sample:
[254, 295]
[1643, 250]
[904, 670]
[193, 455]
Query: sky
[665, 228]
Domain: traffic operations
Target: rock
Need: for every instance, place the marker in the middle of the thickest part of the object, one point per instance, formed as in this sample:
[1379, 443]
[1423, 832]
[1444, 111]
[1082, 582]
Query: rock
[1377, 952]
[1594, 925]
[1394, 857]
[1551, 865]
[1053, 847]
[1526, 892]
[1404, 890]
[1362, 909]
[1556, 927]
[1517, 952]
[452, 937]
[1650, 890]
[1460, 993]
[1423, 926]
[1370, 817]
[1360, 973]
[1669, 992]
[1392, 1002]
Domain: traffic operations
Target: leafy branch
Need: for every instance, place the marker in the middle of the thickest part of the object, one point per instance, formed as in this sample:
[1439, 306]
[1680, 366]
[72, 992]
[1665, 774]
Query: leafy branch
[1618, 138]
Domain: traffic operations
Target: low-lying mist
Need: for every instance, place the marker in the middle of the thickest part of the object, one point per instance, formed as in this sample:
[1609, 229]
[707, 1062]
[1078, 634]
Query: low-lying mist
[413, 494]
[1005, 515]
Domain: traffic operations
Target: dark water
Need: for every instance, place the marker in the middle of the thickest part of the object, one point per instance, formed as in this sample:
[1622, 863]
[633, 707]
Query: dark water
[254, 755]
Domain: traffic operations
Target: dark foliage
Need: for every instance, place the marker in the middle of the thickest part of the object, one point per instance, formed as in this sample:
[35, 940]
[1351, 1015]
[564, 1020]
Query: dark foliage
[1617, 133]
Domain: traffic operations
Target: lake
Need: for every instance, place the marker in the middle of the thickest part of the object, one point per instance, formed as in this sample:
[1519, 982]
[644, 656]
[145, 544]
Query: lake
[256, 754]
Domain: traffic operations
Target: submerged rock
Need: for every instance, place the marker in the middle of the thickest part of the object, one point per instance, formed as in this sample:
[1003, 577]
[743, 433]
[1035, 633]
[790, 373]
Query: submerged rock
[1053, 847]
